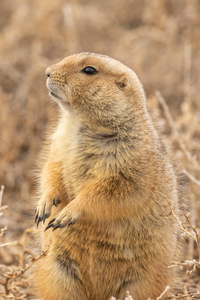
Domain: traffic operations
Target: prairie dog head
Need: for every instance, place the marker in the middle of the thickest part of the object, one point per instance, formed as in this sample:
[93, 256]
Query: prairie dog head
[95, 87]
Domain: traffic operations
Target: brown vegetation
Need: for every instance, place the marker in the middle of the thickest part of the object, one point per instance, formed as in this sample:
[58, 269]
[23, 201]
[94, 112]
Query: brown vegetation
[159, 40]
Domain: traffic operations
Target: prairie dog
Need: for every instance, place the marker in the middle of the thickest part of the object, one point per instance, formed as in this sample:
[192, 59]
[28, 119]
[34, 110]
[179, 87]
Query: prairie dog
[107, 185]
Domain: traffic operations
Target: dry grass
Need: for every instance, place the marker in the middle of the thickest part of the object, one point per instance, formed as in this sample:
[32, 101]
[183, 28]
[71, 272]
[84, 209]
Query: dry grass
[159, 39]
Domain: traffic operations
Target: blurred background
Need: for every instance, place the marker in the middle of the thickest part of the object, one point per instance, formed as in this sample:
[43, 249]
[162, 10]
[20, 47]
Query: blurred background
[158, 39]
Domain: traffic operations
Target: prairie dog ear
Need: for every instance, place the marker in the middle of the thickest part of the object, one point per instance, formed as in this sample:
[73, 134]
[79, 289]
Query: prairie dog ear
[122, 82]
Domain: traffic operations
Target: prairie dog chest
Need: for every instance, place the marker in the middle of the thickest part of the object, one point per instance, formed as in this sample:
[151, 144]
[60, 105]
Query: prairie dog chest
[67, 151]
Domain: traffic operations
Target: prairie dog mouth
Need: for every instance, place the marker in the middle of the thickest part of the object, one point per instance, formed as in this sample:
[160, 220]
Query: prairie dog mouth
[57, 96]
[52, 90]
[53, 94]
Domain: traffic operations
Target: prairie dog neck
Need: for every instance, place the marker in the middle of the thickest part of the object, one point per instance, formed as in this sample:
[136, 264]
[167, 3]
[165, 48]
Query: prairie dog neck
[110, 149]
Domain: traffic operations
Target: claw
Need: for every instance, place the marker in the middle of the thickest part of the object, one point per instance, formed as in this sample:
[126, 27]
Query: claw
[38, 221]
[49, 225]
[36, 217]
[45, 217]
[51, 221]
[57, 226]
[72, 222]
[56, 201]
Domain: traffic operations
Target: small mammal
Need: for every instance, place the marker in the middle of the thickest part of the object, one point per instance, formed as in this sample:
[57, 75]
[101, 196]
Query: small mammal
[107, 185]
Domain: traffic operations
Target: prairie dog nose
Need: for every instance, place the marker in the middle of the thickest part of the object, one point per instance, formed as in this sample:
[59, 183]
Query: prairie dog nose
[48, 72]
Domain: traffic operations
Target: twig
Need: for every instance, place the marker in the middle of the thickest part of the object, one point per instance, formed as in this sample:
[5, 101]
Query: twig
[20, 272]
[12, 297]
[128, 296]
[16, 274]
[192, 178]
[22, 244]
[195, 232]
[6, 286]
[3, 207]
[163, 293]
[1, 194]
[170, 120]
[176, 131]
[187, 72]
[186, 291]
[6, 244]
[181, 296]
[3, 230]
[187, 263]
[194, 264]
[181, 226]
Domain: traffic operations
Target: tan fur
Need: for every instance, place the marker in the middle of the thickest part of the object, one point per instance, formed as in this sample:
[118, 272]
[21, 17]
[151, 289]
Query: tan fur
[116, 186]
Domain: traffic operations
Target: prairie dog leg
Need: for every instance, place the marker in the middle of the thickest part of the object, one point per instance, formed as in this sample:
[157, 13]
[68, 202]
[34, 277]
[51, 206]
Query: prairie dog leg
[51, 185]
[62, 281]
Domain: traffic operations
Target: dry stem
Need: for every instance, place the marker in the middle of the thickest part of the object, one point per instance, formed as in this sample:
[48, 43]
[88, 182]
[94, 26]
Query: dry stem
[163, 293]
[176, 131]
[1, 194]
[191, 177]
[3, 230]
[20, 272]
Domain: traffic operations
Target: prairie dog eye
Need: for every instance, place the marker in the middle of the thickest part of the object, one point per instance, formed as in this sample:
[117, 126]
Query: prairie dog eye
[89, 70]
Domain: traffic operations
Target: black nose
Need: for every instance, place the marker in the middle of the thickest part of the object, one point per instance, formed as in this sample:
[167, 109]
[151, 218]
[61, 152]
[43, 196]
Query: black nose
[48, 73]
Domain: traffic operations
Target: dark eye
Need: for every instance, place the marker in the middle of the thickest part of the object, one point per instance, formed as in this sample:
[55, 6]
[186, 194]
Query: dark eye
[89, 70]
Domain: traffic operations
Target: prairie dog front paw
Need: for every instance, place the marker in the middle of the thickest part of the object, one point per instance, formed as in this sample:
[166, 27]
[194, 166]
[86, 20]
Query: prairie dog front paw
[43, 210]
[65, 218]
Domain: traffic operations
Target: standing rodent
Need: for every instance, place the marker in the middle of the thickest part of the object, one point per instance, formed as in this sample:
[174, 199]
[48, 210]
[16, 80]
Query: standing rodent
[110, 175]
